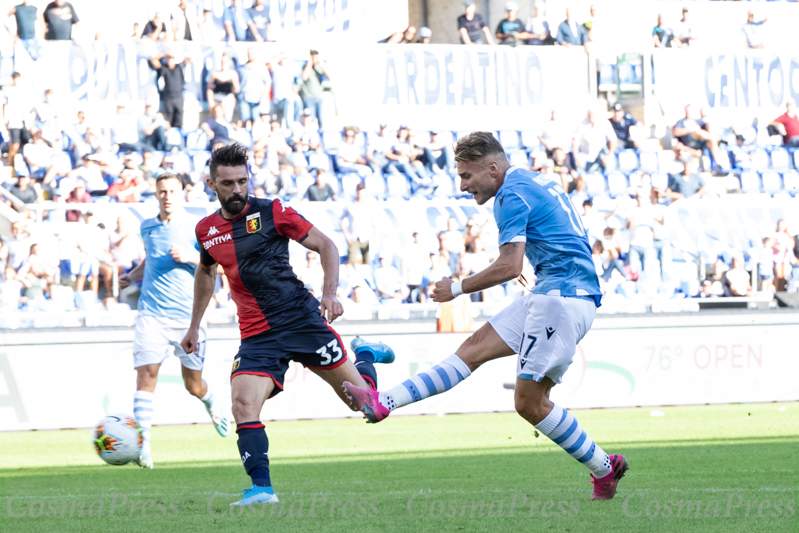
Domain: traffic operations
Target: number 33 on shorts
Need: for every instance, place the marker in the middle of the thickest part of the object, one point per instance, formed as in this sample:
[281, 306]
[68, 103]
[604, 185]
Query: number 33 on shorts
[330, 353]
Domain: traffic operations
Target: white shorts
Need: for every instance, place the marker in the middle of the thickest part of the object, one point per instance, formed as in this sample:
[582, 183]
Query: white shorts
[157, 338]
[544, 330]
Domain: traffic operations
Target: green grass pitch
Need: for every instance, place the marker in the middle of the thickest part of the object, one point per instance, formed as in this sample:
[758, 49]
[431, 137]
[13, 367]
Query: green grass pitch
[452, 473]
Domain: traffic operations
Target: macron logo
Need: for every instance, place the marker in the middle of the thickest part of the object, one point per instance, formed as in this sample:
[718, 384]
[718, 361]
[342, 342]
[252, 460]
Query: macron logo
[216, 240]
[213, 231]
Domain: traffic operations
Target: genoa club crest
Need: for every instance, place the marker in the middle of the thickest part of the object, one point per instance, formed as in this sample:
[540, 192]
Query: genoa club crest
[254, 223]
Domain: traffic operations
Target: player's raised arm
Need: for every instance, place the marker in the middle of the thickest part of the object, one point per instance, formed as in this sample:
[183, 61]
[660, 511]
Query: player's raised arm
[328, 253]
[508, 266]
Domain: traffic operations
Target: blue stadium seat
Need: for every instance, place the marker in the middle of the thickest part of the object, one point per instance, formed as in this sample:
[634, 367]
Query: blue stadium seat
[648, 161]
[181, 162]
[607, 74]
[760, 160]
[348, 184]
[791, 182]
[375, 185]
[530, 140]
[772, 183]
[509, 139]
[617, 184]
[596, 184]
[780, 159]
[199, 160]
[304, 181]
[196, 140]
[796, 159]
[519, 158]
[628, 161]
[750, 182]
[397, 186]
[660, 181]
[331, 140]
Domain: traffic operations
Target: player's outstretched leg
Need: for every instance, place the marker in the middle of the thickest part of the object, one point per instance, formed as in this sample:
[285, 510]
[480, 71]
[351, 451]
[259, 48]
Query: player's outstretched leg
[249, 393]
[484, 345]
[198, 387]
[367, 354]
[533, 404]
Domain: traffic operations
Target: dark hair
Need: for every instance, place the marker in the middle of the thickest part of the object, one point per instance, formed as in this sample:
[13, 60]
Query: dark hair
[476, 146]
[314, 53]
[168, 176]
[16, 75]
[232, 155]
[588, 202]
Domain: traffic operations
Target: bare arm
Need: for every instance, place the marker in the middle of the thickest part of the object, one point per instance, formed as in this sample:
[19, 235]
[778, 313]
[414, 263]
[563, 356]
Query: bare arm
[229, 30]
[489, 37]
[133, 276]
[328, 254]
[508, 266]
[204, 279]
[465, 36]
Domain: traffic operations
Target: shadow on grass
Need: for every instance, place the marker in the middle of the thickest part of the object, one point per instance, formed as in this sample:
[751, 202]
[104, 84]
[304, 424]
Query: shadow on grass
[469, 491]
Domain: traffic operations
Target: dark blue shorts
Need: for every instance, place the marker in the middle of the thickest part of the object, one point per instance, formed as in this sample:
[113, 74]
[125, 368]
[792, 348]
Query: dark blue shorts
[311, 342]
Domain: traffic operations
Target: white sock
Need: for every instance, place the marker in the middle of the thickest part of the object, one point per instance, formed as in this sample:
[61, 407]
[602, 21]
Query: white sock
[438, 379]
[562, 428]
[143, 412]
[208, 399]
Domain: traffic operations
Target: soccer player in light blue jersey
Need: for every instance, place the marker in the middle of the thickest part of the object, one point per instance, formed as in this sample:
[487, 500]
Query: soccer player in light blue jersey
[165, 306]
[535, 218]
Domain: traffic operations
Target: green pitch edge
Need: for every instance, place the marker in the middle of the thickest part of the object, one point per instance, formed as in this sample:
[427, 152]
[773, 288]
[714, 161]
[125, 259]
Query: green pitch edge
[612, 368]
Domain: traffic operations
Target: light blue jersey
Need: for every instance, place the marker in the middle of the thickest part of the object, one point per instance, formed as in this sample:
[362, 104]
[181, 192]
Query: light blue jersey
[536, 211]
[168, 286]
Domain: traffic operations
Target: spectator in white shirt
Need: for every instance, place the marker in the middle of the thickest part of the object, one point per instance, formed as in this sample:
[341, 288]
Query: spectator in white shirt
[752, 31]
[684, 30]
[388, 281]
[556, 134]
[595, 143]
[349, 157]
[538, 26]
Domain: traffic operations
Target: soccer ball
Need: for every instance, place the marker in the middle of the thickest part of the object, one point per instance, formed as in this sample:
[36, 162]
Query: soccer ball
[118, 439]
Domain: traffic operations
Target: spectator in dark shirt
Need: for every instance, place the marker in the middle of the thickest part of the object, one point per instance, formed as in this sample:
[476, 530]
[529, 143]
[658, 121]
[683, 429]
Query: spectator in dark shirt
[787, 124]
[663, 36]
[511, 31]
[686, 184]
[217, 128]
[60, 19]
[27, 27]
[311, 90]
[625, 127]
[24, 190]
[471, 26]
[155, 29]
[259, 13]
[320, 191]
[570, 33]
[174, 79]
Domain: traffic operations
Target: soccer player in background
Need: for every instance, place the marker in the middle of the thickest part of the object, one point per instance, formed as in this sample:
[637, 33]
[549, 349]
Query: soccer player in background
[280, 320]
[165, 309]
[535, 218]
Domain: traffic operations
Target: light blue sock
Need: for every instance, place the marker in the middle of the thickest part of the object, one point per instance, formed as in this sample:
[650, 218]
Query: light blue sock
[562, 428]
[143, 412]
[438, 379]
